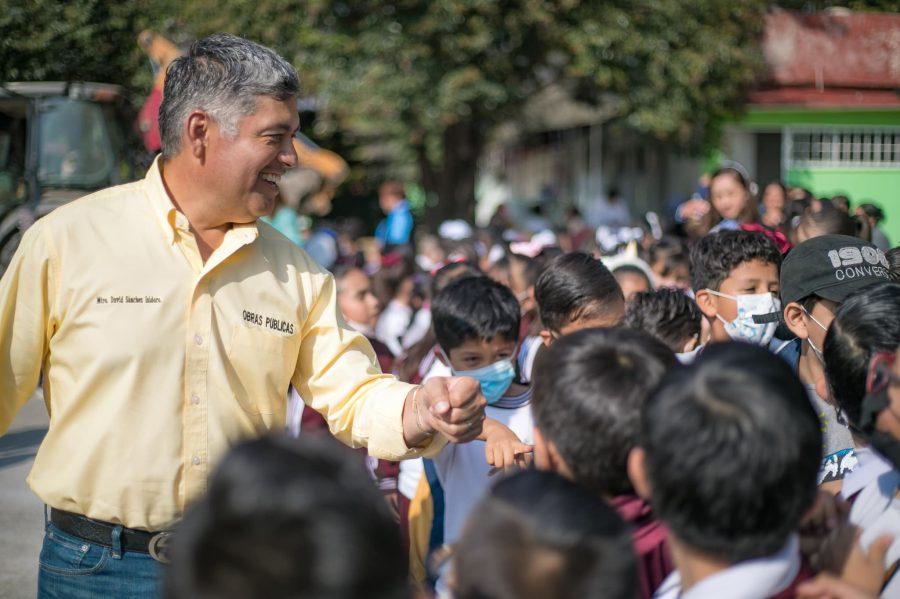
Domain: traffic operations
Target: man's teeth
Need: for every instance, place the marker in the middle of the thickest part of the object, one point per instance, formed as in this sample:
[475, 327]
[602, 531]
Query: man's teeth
[270, 178]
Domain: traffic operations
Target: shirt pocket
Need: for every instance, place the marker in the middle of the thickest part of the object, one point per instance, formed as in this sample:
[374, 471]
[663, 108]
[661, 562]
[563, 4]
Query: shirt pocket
[262, 364]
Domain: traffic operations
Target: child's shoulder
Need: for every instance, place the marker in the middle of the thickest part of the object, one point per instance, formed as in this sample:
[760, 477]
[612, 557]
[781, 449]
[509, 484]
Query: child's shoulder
[517, 390]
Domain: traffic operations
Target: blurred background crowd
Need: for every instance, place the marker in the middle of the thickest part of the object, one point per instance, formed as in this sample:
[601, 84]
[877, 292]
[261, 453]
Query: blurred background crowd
[510, 142]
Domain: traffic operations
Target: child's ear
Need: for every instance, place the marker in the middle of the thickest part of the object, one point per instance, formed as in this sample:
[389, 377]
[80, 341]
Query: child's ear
[706, 303]
[793, 318]
[541, 453]
[547, 457]
[691, 345]
[546, 337]
[637, 472]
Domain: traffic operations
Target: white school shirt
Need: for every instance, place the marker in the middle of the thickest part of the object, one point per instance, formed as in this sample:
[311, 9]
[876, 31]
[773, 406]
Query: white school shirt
[418, 328]
[411, 471]
[751, 579]
[888, 523]
[463, 469]
[874, 480]
[876, 509]
[392, 325]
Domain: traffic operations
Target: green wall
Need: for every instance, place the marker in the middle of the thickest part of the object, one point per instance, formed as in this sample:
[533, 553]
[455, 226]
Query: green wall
[880, 186]
[786, 117]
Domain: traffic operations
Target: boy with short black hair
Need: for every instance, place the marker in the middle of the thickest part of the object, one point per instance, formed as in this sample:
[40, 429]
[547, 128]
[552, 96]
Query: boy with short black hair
[539, 536]
[817, 276]
[288, 518]
[671, 263]
[590, 387]
[577, 291]
[667, 314]
[730, 474]
[476, 323]
[735, 277]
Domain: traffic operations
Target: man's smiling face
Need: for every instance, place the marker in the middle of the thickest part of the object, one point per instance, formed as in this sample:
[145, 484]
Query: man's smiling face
[245, 167]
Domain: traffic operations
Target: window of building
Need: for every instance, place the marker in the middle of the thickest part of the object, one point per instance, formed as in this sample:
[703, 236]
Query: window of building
[862, 148]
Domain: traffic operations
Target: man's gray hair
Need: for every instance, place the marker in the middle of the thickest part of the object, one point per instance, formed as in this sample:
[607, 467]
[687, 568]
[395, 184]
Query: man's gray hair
[222, 75]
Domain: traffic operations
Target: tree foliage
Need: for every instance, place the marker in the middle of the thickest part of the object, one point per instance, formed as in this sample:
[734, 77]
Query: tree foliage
[86, 40]
[427, 81]
[421, 84]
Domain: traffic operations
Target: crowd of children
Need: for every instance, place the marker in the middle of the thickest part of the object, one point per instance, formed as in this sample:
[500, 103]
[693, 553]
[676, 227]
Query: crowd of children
[713, 413]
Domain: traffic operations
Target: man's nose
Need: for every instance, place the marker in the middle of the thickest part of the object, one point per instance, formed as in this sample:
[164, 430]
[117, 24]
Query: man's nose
[288, 154]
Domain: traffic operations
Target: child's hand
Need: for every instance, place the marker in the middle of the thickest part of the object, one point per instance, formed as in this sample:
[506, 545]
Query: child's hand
[503, 449]
[826, 586]
[865, 569]
[826, 534]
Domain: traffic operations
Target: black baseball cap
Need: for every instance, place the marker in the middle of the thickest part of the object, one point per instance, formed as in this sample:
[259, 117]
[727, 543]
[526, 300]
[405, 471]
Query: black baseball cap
[833, 267]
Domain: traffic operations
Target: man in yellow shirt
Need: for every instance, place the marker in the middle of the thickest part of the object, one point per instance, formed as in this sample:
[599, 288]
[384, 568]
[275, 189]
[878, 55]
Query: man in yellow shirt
[168, 324]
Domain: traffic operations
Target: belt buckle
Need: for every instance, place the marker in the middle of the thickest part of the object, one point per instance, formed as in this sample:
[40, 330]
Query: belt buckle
[158, 546]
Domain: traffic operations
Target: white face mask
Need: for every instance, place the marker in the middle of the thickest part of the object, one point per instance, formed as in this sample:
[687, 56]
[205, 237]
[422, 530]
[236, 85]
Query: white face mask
[742, 328]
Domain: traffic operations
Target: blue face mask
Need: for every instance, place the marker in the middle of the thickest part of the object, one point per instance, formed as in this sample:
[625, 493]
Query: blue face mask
[495, 379]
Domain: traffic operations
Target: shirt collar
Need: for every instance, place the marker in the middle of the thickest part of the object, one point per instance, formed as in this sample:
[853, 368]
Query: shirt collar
[751, 579]
[171, 220]
[511, 402]
[163, 209]
[870, 466]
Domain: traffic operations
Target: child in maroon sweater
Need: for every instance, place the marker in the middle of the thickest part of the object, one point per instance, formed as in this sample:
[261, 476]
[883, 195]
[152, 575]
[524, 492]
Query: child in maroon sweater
[589, 389]
[359, 307]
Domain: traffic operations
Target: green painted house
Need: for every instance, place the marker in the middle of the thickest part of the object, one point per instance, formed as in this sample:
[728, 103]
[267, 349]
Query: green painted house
[827, 116]
[824, 116]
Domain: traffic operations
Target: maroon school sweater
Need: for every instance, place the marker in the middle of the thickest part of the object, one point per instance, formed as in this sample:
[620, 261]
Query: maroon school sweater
[650, 543]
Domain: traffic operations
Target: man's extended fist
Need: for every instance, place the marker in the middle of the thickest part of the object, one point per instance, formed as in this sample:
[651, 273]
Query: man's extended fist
[454, 407]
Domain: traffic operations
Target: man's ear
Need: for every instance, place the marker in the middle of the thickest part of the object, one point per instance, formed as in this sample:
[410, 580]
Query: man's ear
[546, 337]
[197, 131]
[637, 472]
[795, 321]
[706, 303]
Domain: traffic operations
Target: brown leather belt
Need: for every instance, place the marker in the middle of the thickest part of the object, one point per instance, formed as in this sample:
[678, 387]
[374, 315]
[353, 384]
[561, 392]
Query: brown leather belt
[100, 533]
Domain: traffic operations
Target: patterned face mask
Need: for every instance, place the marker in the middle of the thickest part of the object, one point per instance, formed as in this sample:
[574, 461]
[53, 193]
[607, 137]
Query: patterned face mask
[743, 328]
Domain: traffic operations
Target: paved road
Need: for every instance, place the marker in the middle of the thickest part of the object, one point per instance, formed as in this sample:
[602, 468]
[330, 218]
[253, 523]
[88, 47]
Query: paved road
[21, 512]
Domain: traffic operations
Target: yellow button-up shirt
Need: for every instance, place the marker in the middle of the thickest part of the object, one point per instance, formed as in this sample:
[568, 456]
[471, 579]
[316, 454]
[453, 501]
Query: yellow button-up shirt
[154, 362]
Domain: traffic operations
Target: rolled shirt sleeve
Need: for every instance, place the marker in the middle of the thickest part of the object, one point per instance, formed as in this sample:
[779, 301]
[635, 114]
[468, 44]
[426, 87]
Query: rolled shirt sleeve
[338, 374]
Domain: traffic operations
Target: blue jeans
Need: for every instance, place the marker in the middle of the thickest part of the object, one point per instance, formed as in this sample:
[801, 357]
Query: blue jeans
[72, 568]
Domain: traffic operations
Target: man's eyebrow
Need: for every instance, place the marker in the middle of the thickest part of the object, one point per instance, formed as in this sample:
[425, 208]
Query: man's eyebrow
[281, 128]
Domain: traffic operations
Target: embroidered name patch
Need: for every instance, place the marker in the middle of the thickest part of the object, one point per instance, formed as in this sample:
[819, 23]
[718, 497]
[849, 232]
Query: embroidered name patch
[269, 322]
[128, 299]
